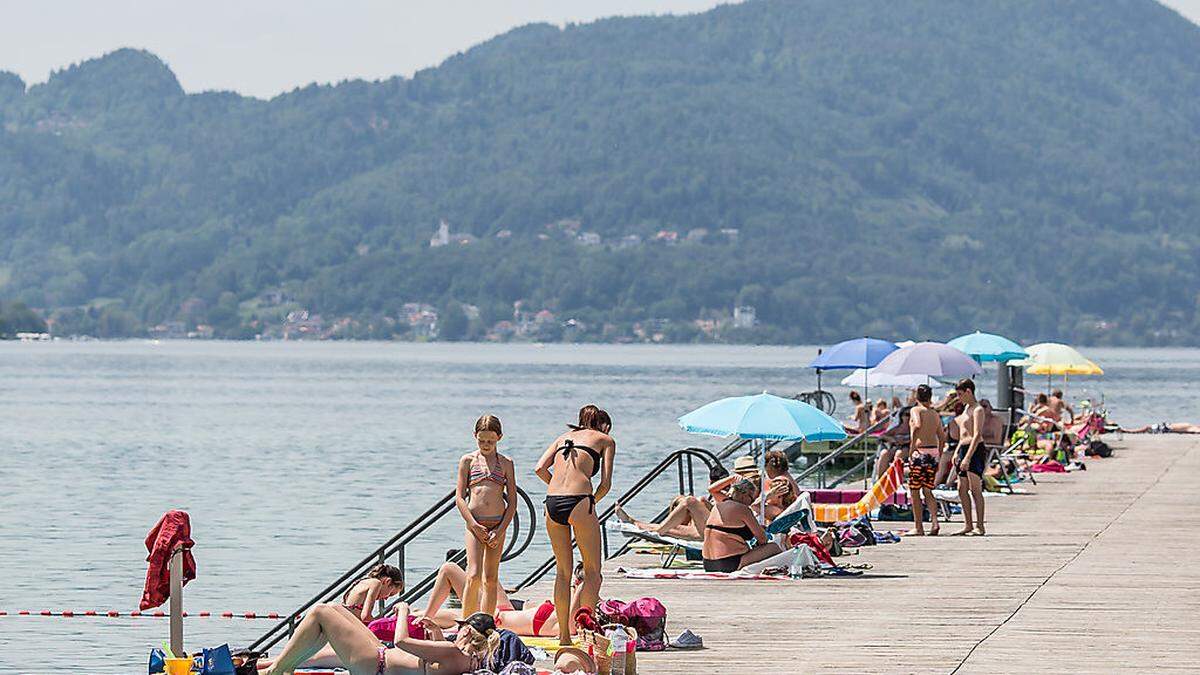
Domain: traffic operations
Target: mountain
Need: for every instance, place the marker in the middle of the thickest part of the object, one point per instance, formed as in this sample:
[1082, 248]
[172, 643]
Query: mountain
[911, 168]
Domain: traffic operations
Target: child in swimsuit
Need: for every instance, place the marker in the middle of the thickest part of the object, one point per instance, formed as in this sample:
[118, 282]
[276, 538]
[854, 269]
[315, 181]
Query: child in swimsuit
[486, 496]
[381, 583]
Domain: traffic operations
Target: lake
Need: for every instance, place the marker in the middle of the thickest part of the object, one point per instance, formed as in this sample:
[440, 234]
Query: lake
[296, 459]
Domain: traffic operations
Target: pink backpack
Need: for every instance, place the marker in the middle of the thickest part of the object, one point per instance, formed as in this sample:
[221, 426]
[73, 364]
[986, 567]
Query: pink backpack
[647, 616]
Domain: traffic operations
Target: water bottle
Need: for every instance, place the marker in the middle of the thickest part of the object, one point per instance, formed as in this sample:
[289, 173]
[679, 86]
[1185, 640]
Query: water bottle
[616, 650]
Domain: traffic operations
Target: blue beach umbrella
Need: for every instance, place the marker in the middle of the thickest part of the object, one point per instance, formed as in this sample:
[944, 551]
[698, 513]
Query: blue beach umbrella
[988, 347]
[761, 418]
[863, 352]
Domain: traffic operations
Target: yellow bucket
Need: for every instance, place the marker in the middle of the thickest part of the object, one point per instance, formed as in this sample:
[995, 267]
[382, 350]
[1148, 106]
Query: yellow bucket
[178, 666]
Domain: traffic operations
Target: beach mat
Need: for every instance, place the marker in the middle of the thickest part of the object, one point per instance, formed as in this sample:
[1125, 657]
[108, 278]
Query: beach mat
[698, 575]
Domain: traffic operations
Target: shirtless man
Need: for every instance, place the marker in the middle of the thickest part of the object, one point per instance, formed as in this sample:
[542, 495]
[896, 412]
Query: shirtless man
[993, 429]
[1059, 405]
[971, 458]
[927, 442]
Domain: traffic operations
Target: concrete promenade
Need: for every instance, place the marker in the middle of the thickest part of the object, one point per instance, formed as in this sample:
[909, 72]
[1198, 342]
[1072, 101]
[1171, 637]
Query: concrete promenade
[1095, 571]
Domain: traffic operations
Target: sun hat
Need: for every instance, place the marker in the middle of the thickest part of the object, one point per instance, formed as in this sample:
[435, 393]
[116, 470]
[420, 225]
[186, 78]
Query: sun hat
[745, 465]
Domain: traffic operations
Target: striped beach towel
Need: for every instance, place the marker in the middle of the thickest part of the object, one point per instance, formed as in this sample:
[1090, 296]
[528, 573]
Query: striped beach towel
[880, 492]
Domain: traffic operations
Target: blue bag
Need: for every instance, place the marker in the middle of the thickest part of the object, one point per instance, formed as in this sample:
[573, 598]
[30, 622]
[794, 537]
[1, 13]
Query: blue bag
[217, 662]
[158, 661]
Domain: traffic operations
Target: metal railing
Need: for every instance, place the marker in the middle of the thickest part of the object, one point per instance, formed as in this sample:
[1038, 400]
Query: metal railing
[819, 468]
[683, 460]
[394, 549]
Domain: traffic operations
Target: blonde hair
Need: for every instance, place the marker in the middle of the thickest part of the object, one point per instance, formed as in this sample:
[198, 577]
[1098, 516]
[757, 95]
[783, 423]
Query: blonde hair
[479, 646]
[489, 423]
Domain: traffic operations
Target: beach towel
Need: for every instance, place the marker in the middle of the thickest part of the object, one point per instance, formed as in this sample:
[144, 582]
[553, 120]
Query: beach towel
[881, 491]
[796, 560]
[739, 575]
[798, 514]
[173, 530]
[1050, 466]
[811, 540]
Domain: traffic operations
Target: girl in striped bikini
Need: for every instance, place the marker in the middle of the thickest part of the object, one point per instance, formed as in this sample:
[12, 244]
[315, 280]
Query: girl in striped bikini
[487, 500]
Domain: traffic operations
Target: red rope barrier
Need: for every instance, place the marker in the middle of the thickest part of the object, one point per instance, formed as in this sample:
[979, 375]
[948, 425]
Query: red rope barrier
[68, 613]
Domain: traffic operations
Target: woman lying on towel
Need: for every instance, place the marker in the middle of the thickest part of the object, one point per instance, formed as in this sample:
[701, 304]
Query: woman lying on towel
[360, 651]
[537, 621]
[730, 527]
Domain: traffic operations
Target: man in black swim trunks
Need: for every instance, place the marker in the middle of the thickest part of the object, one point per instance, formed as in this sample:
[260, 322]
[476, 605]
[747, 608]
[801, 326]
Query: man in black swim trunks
[971, 458]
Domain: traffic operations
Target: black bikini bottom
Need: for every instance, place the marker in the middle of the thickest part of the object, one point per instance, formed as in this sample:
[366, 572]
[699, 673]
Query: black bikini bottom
[559, 507]
[730, 563]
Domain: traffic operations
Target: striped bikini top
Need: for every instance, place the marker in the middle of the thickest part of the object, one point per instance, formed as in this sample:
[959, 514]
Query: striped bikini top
[480, 474]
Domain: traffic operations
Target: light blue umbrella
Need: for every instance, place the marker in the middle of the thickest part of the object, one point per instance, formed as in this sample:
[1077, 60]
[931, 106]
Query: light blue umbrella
[761, 418]
[988, 347]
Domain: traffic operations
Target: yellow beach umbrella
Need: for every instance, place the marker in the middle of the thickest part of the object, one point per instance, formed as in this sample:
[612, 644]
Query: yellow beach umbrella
[1053, 358]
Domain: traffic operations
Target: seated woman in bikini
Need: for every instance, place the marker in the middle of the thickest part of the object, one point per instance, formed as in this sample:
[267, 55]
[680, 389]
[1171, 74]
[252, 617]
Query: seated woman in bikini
[381, 583]
[362, 653]
[535, 619]
[729, 529]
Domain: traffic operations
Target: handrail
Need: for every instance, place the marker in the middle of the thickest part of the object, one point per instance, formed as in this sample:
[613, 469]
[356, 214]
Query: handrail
[393, 547]
[681, 458]
[837, 452]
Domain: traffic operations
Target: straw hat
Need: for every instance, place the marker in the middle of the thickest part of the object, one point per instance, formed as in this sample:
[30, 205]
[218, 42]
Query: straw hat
[745, 466]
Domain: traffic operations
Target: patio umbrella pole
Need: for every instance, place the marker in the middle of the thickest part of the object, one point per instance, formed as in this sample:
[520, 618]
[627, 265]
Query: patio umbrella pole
[762, 481]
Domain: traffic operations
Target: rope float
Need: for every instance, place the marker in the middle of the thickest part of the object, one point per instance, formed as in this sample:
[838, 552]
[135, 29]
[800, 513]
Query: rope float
[112, 614]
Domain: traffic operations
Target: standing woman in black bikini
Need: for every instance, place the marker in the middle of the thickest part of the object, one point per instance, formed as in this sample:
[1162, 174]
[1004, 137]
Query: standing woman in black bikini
[567, 467]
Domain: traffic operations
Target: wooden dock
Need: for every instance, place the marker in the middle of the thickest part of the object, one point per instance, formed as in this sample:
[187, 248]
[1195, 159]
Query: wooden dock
[1096, 571]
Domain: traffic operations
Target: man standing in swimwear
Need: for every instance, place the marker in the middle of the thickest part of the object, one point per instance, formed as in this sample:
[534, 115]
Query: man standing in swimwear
[926, 445]
[971, 458]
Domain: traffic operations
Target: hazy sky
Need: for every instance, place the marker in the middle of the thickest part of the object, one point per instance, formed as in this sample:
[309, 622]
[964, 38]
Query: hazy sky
[263, 47]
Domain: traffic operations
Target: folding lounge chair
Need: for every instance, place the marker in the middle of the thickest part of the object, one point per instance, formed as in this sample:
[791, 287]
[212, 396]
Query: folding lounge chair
[676, 546]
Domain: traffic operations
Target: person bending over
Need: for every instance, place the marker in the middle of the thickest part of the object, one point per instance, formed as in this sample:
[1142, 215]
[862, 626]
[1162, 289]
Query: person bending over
[567, 467]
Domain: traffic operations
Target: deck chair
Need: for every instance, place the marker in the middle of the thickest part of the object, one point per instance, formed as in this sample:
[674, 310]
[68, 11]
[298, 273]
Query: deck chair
[675, 545]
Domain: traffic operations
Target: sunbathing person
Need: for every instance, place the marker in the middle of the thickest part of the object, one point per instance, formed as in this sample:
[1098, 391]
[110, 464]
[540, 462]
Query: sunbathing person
[861, 417]
[535, 619]
[362, 653]
[879, 412]
[730, 527]
[783, 488]
[381, 583]
[686, 514]
[1059, 405]
[894, 439]
[1164, 428]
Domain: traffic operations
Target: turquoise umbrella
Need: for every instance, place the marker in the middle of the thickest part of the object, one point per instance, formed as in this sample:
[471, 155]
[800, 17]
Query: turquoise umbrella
[988, 347]
[761, 418]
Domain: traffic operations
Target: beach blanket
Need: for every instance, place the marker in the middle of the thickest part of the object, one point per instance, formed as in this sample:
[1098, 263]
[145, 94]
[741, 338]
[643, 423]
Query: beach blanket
[740, 575]
[1048, 467]
[879, 493]
[952, 495]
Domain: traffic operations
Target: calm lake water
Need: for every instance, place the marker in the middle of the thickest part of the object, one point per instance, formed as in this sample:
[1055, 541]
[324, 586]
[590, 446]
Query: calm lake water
[296, 459]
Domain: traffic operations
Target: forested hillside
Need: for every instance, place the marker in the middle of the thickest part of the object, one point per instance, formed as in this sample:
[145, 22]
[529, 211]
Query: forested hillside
[914, 168]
